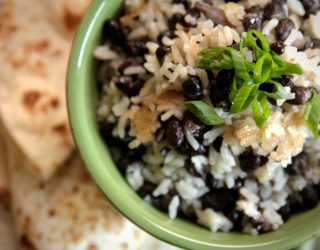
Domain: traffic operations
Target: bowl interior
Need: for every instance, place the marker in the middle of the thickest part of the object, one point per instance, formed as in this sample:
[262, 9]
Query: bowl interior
[82, 96]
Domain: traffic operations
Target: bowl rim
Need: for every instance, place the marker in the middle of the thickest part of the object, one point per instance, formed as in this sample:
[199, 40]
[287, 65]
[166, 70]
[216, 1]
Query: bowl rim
[86, 141]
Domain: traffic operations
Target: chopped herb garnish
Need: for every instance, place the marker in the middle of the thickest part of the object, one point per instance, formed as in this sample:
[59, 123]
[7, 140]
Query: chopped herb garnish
[243, 98]
[260, 109]
[265, 68]
[204, 112]
[312, 113]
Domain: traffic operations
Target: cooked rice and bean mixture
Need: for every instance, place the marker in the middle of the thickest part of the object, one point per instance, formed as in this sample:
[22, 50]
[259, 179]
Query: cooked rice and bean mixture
[211, 108]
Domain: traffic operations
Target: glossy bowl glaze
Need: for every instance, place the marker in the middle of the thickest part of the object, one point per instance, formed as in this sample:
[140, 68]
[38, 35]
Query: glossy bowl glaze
[82, 101]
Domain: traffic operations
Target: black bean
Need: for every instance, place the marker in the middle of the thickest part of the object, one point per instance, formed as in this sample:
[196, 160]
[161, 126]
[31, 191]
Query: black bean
[192, 124]
[270, 88]
[308, 44]
[222, 199]
[166, 199]
[274, 9]
[189, 165]
[191, 168]
[128, 85]
[236, 218]
[250, 162]
[177, 18]
[146, 189]
[296, 205]
[218, 143]
[310, 6]
[168, 33]
[202, 150]
[262, 226]
[183, 2]
[302, 95]
[194, 13]
[210, 75]
[285, 211]
[106, 131]
[123, 164]
[316, 43]
[211, 182]
[136, 47]
[310, 197]
[220, 89]
[300, 165]
[189, 214]
[186, 149]
[278, 47]
[318, 189]
[126, 64]
[174, 133]
[164, 151]
[286, 80]
[219, 98]
[161, 52]
[284, 28]
[252, 21]
[114, 31]
[267, 87]
[256, 9]
[192, 88]
[238, 183]
[207, 1]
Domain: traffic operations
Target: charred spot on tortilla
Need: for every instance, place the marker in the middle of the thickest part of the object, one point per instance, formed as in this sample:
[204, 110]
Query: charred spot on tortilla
[92, 247]
[31, 98]
[54, 102]
[5, 200]
[70, 20]
[75, 189]
[26, 242]
[38, 46]
[41, 185]
[15, 62]
[51, 213]
[6, 25]
[56, 52]
[61, 129]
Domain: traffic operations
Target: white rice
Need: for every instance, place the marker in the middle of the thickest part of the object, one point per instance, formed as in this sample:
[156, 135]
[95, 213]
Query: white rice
[267, 188]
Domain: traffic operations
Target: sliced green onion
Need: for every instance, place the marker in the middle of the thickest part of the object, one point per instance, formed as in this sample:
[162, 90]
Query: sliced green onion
[204, 112]
[264, 42]
[291, 68]
[280, 92]
[207, 56]
[262, 69]
[312, 114]
[239, 65]
[234, 89]
[260, 109]
[243, 98]
[225, 63]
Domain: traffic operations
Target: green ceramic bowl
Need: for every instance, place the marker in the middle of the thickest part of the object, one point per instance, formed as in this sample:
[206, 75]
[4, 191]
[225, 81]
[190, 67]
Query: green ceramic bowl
[82, 100]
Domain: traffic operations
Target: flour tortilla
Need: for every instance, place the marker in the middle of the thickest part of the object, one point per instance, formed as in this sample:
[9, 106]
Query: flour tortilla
[4, 183]
[35, 41]
[68, 212]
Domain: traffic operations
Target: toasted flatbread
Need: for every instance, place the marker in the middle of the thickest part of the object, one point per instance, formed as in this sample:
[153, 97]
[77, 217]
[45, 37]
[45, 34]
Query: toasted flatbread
[35, 41]
[7, 234]
[68, 212]
[4, 183]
